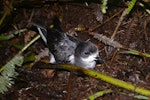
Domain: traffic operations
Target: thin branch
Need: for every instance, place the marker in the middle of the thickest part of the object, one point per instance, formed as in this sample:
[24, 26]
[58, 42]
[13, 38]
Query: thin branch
[119, 23]
[99, 25]
[30, 43]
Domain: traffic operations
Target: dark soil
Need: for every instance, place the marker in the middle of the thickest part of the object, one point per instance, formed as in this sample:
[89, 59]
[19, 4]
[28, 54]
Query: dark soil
[47, 84]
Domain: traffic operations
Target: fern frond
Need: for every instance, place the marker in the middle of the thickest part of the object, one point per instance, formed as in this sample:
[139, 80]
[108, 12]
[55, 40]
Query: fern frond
[131, 5]
[104, 6]
[8, 73]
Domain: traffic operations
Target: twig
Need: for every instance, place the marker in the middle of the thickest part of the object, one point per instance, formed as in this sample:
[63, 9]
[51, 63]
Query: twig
[30, 18]
[119, 23]
[145, 24]
[30, 43]
[114, 55]
[69, 86]
[32, 13]
[7, 11]
[146, 9]
[97, 26]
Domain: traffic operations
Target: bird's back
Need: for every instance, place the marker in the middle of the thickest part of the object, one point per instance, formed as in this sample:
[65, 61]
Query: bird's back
[61, 46]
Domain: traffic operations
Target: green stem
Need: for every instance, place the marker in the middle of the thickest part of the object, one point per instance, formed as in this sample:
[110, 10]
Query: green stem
[108, 79]
[30, 43]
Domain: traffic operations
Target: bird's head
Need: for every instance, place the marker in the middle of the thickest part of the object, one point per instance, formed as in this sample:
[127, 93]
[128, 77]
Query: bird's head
[87, 55]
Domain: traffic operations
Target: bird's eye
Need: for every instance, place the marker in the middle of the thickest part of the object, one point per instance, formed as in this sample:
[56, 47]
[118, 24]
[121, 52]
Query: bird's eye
[86, 53]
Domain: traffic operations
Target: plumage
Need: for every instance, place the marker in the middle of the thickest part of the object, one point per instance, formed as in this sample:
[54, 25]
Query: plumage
[67, 49]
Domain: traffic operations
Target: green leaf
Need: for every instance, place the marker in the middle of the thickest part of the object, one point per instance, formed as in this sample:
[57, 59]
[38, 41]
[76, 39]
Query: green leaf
[12, 35]
[29, 58]
[134, 52]
[141, 97]
[98, 94]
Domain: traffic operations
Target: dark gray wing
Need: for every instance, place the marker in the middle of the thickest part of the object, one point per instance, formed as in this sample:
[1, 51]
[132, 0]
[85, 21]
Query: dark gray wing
[62, 47]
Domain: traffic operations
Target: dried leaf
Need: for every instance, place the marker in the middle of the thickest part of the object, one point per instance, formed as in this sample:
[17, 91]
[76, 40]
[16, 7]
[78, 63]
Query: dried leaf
[98, 14]
[106, 40]
[42, 54]
[29, 35]
[72, 32]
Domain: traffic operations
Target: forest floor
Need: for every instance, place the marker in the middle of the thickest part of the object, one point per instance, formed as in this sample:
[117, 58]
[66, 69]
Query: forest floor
[51, 84]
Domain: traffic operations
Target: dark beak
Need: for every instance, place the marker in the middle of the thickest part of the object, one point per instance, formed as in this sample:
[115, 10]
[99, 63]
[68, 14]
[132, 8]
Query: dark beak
[98, 60]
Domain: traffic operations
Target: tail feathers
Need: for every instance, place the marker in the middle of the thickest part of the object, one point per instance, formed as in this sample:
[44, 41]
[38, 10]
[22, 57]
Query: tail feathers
[42, 29]
[43, 33]
[57, 24]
